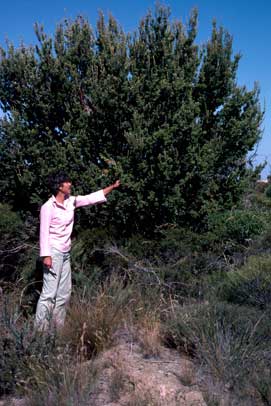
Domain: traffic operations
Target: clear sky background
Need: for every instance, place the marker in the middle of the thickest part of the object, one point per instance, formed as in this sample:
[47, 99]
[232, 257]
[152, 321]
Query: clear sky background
[249, 22]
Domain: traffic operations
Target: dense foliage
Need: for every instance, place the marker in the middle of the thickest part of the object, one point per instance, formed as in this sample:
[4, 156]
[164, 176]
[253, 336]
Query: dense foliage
[153, 108]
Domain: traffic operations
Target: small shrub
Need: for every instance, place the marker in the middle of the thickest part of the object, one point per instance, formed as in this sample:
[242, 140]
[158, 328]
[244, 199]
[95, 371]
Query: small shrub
[11, 243]
[268, 191]
[237, 225]
[88, 249]
[10, 223]
[250, 285]
[232, 343]
[63, 383]
[21, 347]
[261, 383]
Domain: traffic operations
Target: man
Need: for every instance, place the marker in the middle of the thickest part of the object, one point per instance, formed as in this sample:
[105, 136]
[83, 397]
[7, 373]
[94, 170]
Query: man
[56, 224]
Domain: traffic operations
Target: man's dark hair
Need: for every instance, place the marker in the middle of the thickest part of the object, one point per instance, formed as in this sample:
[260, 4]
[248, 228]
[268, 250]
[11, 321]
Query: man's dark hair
[56, 179]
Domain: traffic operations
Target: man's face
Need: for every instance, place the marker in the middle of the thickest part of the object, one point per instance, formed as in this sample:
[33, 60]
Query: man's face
[65, 188]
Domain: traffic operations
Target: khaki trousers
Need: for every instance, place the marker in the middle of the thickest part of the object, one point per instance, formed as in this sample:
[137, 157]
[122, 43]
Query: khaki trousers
[56, 292]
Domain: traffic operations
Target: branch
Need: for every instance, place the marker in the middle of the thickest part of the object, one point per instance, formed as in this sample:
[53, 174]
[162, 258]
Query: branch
[113, 250]
[17, 249]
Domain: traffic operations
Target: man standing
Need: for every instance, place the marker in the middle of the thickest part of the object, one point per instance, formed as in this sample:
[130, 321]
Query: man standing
[56, 224]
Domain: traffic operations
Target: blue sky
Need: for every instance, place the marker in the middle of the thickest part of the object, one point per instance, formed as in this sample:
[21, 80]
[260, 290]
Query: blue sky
[248, 21]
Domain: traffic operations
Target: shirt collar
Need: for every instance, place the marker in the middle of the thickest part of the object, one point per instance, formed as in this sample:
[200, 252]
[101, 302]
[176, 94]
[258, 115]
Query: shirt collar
[59, 204]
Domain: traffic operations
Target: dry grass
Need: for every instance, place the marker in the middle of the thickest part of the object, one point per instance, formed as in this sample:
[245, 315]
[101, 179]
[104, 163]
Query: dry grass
[90, 323]
[93, 322]
[63, 383]
[149, 334]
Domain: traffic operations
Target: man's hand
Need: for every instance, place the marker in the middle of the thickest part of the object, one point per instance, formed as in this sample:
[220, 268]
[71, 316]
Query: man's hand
[116, 184]
[47, 261]
[109, 189]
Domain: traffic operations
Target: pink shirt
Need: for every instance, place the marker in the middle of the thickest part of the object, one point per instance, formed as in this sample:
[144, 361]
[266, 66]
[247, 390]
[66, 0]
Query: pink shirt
[56, 221]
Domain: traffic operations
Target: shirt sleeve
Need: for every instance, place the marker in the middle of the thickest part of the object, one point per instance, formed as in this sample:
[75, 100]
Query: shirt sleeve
[92, 198]
[45, 219]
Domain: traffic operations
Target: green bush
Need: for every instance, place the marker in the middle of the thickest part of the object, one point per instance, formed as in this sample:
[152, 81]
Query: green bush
[10, 223]
[12, 236]
[176, 258]
[17, 244]
[236, 225]
[268, 191]
[250, 285]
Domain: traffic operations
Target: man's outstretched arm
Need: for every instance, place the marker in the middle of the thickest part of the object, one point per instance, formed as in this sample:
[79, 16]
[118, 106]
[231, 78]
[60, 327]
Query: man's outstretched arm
[96, 197]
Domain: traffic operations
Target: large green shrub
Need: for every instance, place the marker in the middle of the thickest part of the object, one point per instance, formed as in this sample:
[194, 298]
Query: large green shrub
[153, 108]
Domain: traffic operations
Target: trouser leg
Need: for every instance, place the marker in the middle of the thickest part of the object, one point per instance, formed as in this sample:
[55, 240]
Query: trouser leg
[47, 300]
[63, 292]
